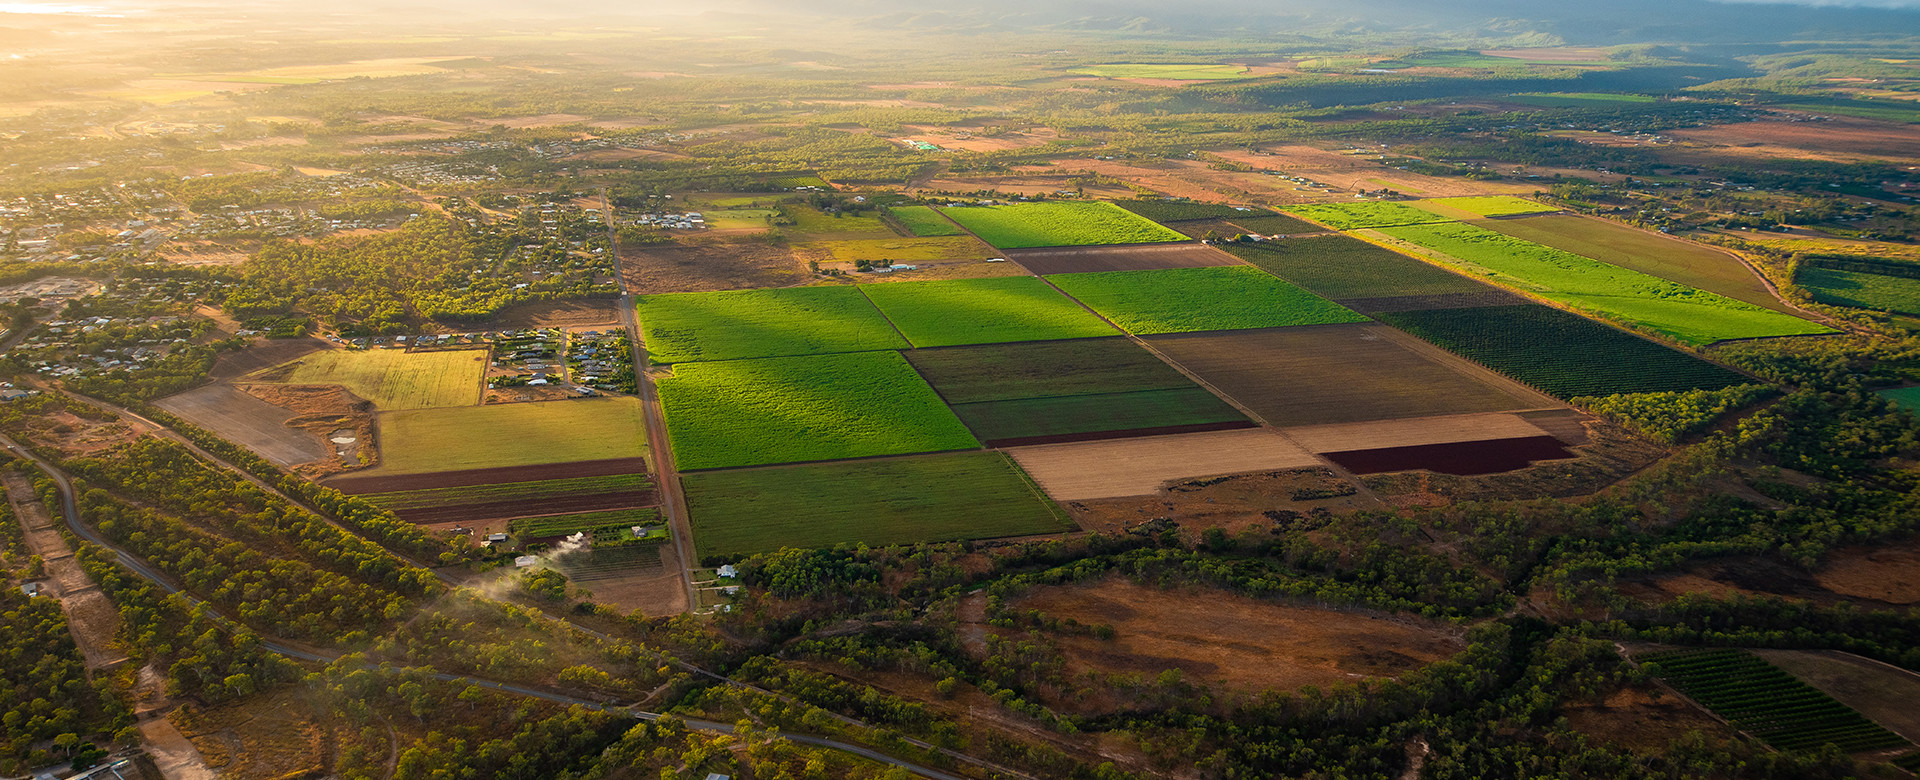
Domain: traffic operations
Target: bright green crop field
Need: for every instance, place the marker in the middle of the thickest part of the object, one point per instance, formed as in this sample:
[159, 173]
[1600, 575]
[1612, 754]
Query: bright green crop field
[1058, 223]
[741, 324]
[924, 222]
[1863, 291]
[1366, 214]
[793, 409]
[1685, 313]
[1186, 300]
[419, 441]
[933, 498]
[1492, 205]
[983, 311]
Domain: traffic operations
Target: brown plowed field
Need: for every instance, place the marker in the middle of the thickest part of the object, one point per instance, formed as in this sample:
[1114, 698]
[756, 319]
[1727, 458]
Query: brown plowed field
[1413, 433]
[1065, 438]
[1143, 257]
[709, 266]
[530, 507]
[1322, 374]
[1841, 139]
[1221, 638]
[471, 477]
[262, 355]
[244, 419]
[1465, 458]
[1140, 467]
[1424, 302]
[1890, 574]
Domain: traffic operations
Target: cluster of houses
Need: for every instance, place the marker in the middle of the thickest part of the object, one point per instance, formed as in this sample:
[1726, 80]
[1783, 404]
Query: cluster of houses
[534, 357]
[441, 174]
[691, 220]
[601, 359]
[57, 357]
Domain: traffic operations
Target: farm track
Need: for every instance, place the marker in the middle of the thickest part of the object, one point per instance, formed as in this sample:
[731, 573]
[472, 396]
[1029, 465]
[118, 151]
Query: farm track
[71, 515]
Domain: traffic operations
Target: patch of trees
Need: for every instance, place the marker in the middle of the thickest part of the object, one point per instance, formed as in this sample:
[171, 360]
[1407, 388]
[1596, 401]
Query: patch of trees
[1670, 417]
[47, 703]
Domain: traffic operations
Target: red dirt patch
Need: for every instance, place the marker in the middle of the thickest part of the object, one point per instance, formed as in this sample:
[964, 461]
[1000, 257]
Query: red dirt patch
[1644, 719]
[709, 266]
[472, 477]
[1889, 574]
[261, 355]
[1120, 258]
[1839, 139]
[1467, 458]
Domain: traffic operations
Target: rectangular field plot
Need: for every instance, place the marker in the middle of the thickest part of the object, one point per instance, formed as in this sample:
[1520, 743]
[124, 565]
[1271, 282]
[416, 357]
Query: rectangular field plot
[1345, 268]
[1365, 214]
[1063, 223]
[924, 221]
[1186, 300]
[897, 250]
[1025, 421]
[1001, 372]
[1178, 210]
[1760, 699]
[1267, 223]
[1465, 458]
[983, 311]
[1046, 262]
[794, 409]
[518, 499]
[390, 378]
[1488, 206]
[1675, 259]
[1688, 314]
[1562, 354]
[1862, 290]
[741, 324]
[502, 435]
[1386, 434]
[1339, 373]
[1141, 467]
[244, 419]
[974, 495]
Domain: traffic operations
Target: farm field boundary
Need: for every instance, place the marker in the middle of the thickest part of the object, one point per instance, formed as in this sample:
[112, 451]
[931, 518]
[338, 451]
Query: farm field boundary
[505, 435]
[1142, 467]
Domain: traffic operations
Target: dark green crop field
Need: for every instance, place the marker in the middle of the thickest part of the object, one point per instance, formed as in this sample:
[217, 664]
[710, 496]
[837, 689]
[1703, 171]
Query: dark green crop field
[1023, 418]
[1344, 268]
[1000, 372]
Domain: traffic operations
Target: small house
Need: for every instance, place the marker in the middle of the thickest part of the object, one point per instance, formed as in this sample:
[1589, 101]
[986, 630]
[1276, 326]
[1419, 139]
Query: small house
[525, 561]
[727, 571]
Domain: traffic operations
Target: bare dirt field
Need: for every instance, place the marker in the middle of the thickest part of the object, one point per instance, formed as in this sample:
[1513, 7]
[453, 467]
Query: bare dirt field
[553, 314]
[1883, 693]
[263, 354]
[710, 266]
[1890, 574]
[656, 591]
[1343, 437]
[1261, 501]
[1464, 458]
[1643, 719]
[249, 421]
[1840, 139]
[1322, 374]
[172, 752]
[1753, 576]
[1138, 467]
[1139, 257]
[1609, 454]
[1236, 642]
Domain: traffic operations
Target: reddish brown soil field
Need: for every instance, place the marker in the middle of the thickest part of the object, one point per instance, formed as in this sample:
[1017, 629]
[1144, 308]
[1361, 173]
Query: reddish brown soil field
[1841, 139]
[1320, 374]
[1127, 434]
[1234, 641]
[1141, 257]
[1644, 719]
[506, 510]
[471, 477]
[1890, 574]
[699, 267]
[263, 354]
[1467, 458]
[550, 314]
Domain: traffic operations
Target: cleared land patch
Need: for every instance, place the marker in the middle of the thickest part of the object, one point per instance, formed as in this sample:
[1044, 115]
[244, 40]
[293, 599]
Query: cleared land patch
[1187, 300]
[1063, 223]
[1236, 641]
[744, 324]
[1689, 314]
[503, 435]
[974, 495]
[392, 379]
[707, 266]
[1667, 257]
[1346, 268]
[1338, 373]
[1561, 354]
[792, 409]
[983, 311]
[1046, 262]
[1365, 214]
[1044, 369]
[1465, 459]
[1141, 467]
[249, 421]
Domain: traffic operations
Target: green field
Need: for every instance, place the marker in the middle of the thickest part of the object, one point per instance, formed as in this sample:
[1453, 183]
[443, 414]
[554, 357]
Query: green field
[1001, 372]
[740, 219]
[983, 311]
[1761, 699]
[1561, 354]
[809, 221]
[1576, 99]
[1688, 314]
[1673, 259]
[1366, 214]
[1179, 72]
[741, 324]
[1491, 205]
[419, 441]
[901, 250]
[392, 379]
[1345, 268]
[1058, 223]
[1061, 415]
[510, 491]
[1862, 290]
[1907, 398]
[1185, 300]
[972, 495]
[792, 409]
[923, 221]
